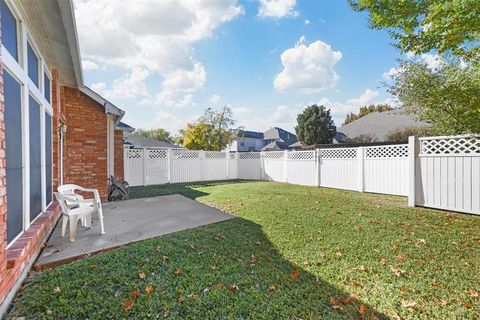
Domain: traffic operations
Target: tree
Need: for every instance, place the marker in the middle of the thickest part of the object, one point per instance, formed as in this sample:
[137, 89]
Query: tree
[315, 126]
[363, 138]
[157, 134]
[420, 26]
[447, 97]
[200, 136]
[221, 121]
[366, 110]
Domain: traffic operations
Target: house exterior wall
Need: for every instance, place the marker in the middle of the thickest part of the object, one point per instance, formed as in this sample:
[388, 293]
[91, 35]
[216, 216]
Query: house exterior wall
[249, 144]
[85, 145]
[118, 169]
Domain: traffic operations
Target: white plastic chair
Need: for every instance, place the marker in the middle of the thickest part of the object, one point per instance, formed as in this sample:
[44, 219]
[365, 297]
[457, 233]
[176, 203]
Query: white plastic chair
[74, 200]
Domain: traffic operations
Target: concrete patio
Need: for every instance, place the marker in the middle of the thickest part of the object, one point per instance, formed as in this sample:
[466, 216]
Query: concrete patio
[126, 222]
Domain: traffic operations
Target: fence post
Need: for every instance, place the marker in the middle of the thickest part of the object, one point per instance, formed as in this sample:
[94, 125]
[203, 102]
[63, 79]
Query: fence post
[412, 155]
[169, 165]
[360, 169]
[285, 165]
[144, 156]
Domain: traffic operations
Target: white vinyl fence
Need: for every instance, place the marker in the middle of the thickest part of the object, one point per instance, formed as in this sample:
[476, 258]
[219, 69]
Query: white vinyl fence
[438, 172]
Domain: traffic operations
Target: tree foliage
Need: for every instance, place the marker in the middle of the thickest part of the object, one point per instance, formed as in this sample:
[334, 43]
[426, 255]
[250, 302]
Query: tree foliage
[420, 26]
[448, 97]
[315, 126]
[212, 132]
[366, 110]
[157, 134]
[402, 134]
[363, 138]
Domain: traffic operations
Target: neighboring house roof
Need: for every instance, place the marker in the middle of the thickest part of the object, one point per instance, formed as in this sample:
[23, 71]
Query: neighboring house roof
[144, 142]
[124, 127]
[250, 134]
[297, 144]
[280, 134]
[379, 124]
[276, 146]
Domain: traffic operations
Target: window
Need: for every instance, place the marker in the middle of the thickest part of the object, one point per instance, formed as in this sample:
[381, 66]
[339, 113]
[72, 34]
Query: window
[13, 154]
[9, 30]
[35, 159]
[46, 86]
[32, 65]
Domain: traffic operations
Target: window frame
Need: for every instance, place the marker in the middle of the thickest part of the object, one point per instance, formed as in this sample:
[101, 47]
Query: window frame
[19, 70]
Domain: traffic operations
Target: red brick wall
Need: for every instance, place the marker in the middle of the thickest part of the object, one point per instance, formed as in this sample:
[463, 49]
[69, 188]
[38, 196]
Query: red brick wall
[85, 142]
[3, 188]
[118, 154]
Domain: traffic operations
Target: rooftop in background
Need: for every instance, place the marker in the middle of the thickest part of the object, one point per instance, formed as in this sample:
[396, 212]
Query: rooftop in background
[379, 124]
[250, 134]
[144, 142]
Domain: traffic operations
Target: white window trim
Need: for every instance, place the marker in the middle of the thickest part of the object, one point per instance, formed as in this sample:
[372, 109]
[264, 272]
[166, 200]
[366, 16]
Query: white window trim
[19, 70]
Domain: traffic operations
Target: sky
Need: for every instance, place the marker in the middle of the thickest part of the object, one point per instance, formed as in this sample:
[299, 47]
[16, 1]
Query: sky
[164, 62]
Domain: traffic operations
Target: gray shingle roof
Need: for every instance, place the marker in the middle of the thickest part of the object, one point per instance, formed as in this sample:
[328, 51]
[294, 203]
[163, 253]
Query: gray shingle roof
[379, 124]
[250, 134]
[144, 142]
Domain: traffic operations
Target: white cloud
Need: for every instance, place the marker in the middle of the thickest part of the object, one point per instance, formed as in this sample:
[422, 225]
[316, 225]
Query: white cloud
[282, 116]
[277, 8]
[148, 36]
[365, 98]
[306, 22]
[390, 73]
[130, 85]
[89, 65]
[214, 99]
[308, 68]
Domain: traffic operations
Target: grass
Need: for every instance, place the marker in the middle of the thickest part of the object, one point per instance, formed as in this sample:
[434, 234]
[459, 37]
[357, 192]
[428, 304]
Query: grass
[294, 252]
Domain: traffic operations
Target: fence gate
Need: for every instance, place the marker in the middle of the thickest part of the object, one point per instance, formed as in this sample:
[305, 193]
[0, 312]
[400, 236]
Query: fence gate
[447, 173]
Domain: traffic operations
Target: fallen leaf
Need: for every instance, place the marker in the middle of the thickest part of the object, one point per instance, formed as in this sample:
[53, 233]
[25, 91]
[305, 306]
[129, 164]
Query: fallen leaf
[233, 287]
[467, 304]
[294, 275]
[362, 309]
[473, 294]
[180, 299]
[149, 288]
[397, 271]
[346, 300]
[213, 267]
[219, 285]
[338, 254]
[135, 294]
[142, 275]
[257, 242]
[408, 304]
[157, 248]
[178, 272]
[272, 287]
[335, 304]
[356, 283]
[57, 290]
[165, 258]
[127, 304]
[166, 313]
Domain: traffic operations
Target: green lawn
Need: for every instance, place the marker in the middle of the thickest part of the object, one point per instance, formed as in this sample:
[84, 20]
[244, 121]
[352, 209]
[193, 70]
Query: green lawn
[294, 253]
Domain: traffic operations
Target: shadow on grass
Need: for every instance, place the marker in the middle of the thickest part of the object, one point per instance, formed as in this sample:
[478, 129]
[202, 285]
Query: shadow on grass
[228, 270]
[185, 189]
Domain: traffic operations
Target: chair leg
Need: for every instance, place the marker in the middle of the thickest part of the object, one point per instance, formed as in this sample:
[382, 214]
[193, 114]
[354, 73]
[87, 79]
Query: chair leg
[100, 217]
[88, 221]
[64, 224]
[73, 227]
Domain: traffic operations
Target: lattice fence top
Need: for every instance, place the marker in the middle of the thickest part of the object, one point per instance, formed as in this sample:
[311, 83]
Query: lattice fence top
[395, 151]
[215, 155]
[275, 155]
[157, 154]
[134, 154]
[186, 154]
[450, 146]
[345, 153]
[301, 155]
[233, 155]
[249, 155]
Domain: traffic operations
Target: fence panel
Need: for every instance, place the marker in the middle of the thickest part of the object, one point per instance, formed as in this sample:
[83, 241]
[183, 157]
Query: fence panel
[447, 173]
[233, 166]
[302, 168]
[133, 166]
[249, 166]
[215, 166]
[386, 169]
[156, 166]
[339, 168]
[186, 166]
[274, 166]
